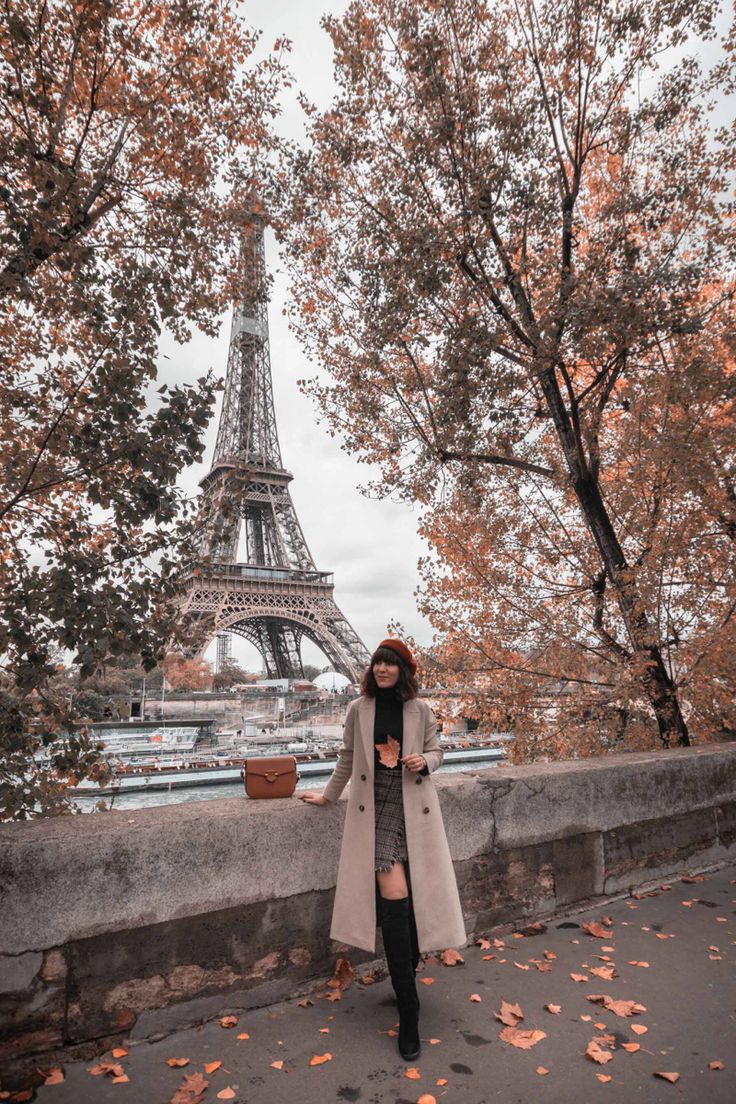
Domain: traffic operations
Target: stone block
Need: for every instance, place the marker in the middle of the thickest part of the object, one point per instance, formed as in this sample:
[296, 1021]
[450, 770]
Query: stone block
[18, 971]
[633, 853]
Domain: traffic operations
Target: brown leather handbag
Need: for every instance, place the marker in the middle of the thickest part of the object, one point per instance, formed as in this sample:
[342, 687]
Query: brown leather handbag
[274, 776]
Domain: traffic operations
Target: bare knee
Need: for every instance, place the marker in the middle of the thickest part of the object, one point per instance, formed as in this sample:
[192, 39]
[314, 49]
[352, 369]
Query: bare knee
[392, 883]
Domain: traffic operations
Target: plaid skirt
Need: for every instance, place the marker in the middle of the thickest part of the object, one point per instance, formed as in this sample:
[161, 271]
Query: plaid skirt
[390, 830]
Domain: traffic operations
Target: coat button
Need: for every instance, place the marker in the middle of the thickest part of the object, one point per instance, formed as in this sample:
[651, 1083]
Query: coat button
[425, 809]
[362, 778]
[362, 809]
[419, 781]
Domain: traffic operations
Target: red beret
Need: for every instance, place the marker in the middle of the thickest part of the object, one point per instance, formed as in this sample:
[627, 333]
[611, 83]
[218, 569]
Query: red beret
[401, 649]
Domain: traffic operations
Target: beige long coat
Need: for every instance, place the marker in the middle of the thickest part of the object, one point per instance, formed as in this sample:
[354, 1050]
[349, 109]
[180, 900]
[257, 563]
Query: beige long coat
[437, 908]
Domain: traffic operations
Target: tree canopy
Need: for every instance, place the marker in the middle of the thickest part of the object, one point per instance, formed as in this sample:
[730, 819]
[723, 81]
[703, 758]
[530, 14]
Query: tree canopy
[126, 189]
[511, 245]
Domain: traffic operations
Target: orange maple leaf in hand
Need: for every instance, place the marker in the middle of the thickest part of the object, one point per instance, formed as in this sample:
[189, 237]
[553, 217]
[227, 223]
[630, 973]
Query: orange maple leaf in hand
[388, 753]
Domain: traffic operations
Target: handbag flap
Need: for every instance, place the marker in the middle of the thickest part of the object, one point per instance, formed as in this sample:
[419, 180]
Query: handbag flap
[272, 767]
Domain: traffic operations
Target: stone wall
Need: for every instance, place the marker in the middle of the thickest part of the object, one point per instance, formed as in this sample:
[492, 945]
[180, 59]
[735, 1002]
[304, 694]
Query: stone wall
[128, 924]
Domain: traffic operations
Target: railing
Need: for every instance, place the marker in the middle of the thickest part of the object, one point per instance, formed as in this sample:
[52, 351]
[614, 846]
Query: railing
[277, 574]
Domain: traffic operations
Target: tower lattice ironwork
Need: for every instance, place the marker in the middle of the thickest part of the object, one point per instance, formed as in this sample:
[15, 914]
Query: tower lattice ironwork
[274, 596]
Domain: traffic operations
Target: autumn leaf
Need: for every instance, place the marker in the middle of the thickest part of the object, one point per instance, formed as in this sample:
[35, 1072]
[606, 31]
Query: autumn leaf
[474, 997]
[320, 1059]
[510, 1014]
[608, 973]
[426, 1098]
[592, 927]
[412, 1073]
[210, 1067]
[177, 1061]
[334, 995]
[54, 1076]
[618, 1007]
[603, 1076]
[112, 1068]
[228, 1021]
[717, 1064]
[278, 1064]
[521, 1038]
[640, 1029]
[226, 1094]
[121, 1080]
[555, 1009]
[484, 944]
[451, 957]
[343, 976]
[119, 1052]
[426, 981]
[597, 1053]
[631, 1047]
[542, 1070]
[579, 977]
[388, 753]
[433, 1042]
[305, 1003]
[671, 1077]
[243, 1035]
[191, 1090]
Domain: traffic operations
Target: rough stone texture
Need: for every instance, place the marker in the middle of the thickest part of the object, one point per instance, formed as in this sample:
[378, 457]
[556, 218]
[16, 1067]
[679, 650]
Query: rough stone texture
[180, 911]
[18, 971]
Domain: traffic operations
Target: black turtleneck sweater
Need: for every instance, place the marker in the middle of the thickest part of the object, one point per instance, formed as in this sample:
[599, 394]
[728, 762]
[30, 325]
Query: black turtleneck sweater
[389, 722]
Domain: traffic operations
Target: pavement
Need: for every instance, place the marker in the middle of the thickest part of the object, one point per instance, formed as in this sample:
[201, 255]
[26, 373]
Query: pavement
[673, 950]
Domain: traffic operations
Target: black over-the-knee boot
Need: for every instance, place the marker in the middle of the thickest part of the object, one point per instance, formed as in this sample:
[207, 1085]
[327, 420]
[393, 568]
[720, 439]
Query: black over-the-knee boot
[397, 944]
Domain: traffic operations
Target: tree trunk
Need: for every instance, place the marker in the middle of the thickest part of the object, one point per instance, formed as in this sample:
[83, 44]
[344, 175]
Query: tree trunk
[656, 680]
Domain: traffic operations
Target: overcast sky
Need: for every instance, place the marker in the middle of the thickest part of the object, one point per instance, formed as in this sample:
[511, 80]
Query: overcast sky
[371, 546]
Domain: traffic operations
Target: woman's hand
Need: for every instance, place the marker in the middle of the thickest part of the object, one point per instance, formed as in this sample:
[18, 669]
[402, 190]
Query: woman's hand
[414, 762]
[313, 798]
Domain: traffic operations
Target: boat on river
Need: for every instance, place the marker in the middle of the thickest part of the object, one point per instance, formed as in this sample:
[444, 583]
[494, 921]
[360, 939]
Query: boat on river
[215, 770]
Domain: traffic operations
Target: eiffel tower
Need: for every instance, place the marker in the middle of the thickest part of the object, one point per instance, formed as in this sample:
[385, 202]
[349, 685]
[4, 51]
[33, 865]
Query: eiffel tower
[274, 596]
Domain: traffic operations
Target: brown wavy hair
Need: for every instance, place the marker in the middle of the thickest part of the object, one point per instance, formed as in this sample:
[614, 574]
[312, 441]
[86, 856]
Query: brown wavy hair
[407, 687]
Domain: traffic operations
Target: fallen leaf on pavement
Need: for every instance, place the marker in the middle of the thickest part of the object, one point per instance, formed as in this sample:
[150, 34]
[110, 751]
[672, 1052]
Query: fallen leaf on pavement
[579, 977]
[553, 1008]
[113, 1068]
[427, 981]
[484, 944]
[633, 962]
[343, 976]
[518, 1037]
[226, 1094]
[475, 997]
[243, 1035]
[608, 973]
[716, 1065]
[619, 1007]
[451, 957]
[320, 1059]
[324, 1031]
[305, 1003]
[488, 957]
[542, 1069]
[510, 1013]
[441, 1081]
[592, 927]
[521, 965]
[228, 1021]
[631, 1047]
[278, 1064]
[177, 1061]
[334, 995]
[426, 1098]
[598, 1053]
[191, 1090]
[433, 1042]
[119, 1052]
[54, 1076]
[210, 1067]
[603, 1076]
[367, 979]
[640, 1029]
[671, 1077]
[120, 1080]
[412, 1073]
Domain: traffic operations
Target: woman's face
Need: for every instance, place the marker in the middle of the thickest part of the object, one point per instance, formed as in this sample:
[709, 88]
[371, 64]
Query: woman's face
[385, 674]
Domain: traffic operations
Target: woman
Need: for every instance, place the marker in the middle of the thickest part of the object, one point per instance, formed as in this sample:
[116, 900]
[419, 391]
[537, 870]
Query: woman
[395, 864]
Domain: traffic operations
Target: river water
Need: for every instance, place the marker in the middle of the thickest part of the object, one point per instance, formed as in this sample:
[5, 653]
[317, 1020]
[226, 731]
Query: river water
[232, 789]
